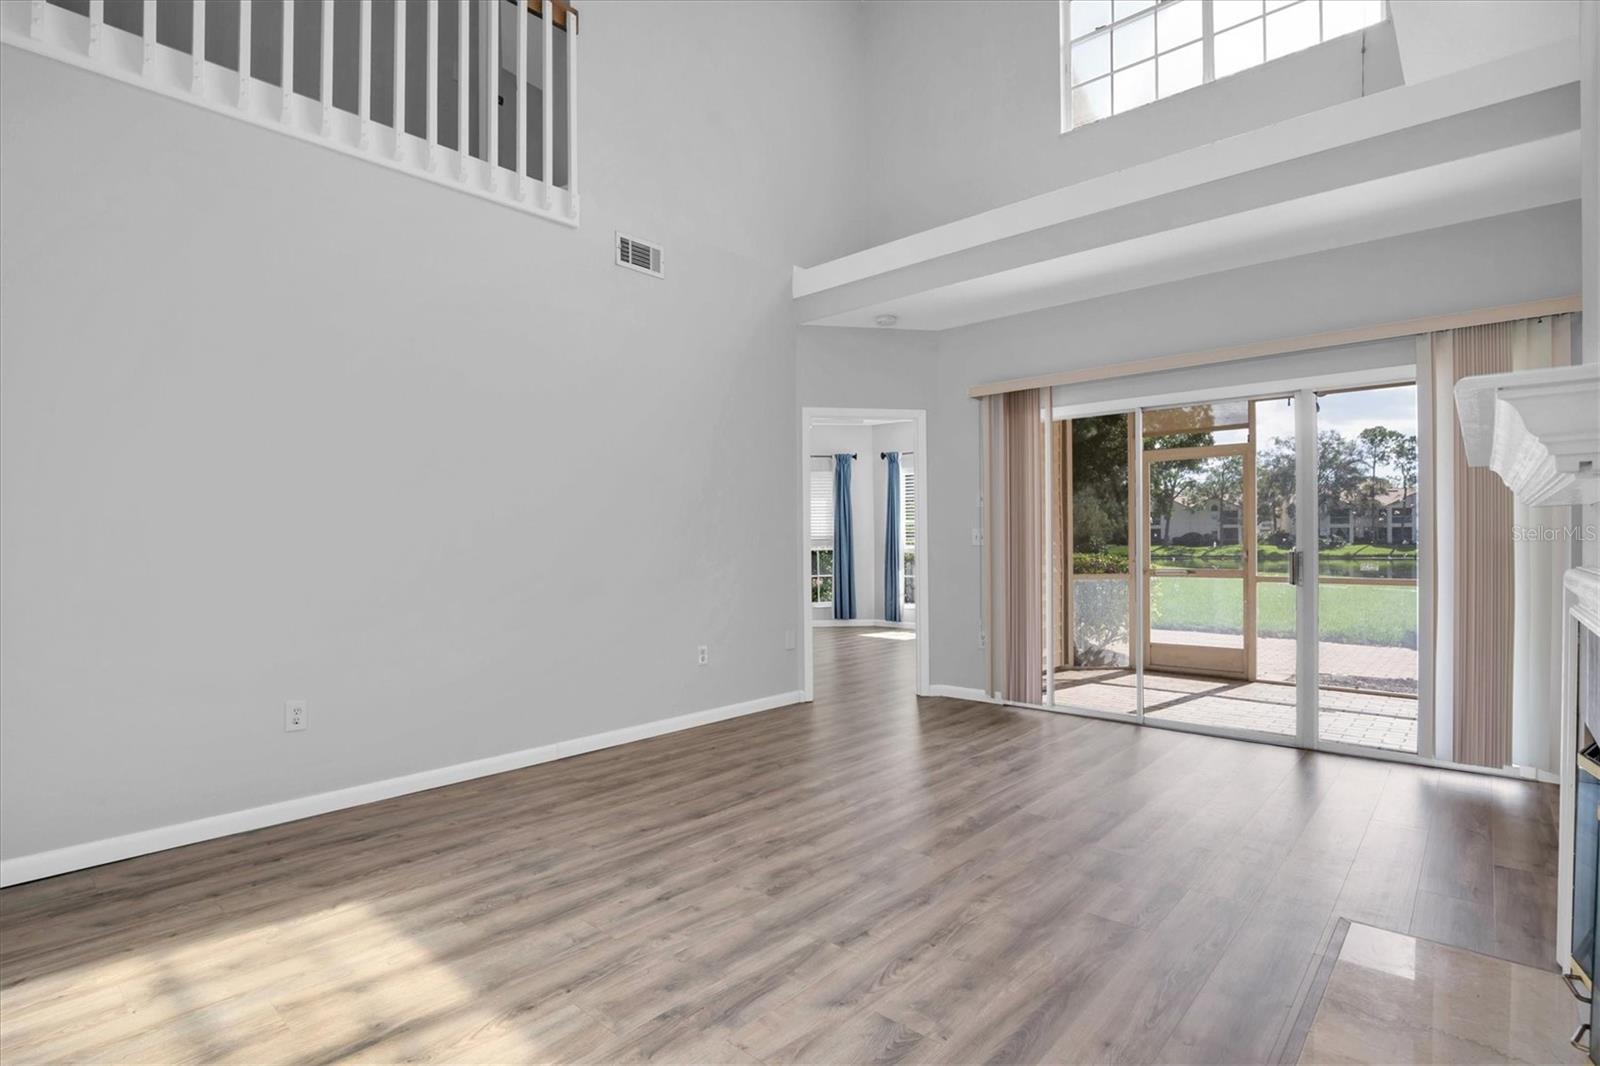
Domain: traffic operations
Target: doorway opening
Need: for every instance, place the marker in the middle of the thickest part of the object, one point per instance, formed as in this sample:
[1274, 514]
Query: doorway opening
[1191, 587]
[864, 559]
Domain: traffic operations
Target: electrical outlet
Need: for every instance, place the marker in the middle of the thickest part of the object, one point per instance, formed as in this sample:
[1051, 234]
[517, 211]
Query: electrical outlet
[977, 537]
[704, 655]
[788, 639]
[294, 715]
[983, 638]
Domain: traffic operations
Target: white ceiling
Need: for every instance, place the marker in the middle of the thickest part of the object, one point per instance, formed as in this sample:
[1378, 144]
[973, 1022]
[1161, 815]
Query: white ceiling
[1438, 37]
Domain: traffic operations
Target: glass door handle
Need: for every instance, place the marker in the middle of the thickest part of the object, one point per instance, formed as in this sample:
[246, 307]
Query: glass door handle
[1295, 560]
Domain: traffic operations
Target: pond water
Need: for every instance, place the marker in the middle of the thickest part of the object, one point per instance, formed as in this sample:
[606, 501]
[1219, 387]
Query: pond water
[1373, 566]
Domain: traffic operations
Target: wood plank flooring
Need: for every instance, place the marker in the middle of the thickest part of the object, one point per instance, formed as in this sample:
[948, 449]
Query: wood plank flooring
[869, 878]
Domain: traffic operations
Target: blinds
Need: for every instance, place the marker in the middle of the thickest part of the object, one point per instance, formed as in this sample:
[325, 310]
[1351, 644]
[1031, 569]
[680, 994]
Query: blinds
[908, 504]
[821, 488]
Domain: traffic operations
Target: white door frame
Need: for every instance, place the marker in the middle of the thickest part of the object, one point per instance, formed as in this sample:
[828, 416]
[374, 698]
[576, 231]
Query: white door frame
[919, 418]
[1307, 648]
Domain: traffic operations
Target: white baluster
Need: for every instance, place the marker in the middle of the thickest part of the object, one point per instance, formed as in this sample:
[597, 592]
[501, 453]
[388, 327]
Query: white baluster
[572, 112]
[463, 31]
[147, 30]
[491, 98]
[522, 97]
[327, 68]
[433, 82]
[287, 74]
[197, 50]
[399, 74]
[364, 91]
[244, 53]
[97, 22]
[547, 100]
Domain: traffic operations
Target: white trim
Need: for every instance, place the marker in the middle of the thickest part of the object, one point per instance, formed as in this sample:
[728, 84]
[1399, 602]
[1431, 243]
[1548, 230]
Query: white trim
[1307, 648]
[1271, 389]
[112, 849]
[1141, 561]
[1581, 603]
[1424, 533]
[1337, 338]
[960, 692]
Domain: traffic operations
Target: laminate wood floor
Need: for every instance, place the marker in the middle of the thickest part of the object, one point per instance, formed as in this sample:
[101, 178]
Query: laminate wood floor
[871, 877]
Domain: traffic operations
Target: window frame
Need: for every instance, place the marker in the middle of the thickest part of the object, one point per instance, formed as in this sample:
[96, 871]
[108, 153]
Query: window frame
[819, 493]
[819, 575]
[908, 521]
[1207, 41]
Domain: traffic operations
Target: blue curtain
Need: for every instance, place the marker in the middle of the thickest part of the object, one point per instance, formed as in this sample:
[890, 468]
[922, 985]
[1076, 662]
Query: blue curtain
[892, 556]
[844, 569]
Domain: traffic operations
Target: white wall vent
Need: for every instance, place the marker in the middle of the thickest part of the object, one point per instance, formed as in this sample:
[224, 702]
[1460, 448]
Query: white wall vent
[637, 255]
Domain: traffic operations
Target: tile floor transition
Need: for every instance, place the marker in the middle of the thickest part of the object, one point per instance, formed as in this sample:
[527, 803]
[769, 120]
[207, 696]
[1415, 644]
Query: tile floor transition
[1396, 998]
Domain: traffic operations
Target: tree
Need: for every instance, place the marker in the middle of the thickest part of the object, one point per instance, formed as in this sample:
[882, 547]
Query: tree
[1168, 479]
[1099, 482]
[1376, 446]
[1338, 471]
[1275, 477]
[1093, 524]
[1220, 482]
[1405, 463]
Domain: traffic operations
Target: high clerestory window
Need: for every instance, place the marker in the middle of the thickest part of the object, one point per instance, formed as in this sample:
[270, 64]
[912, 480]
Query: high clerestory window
[1117, 55]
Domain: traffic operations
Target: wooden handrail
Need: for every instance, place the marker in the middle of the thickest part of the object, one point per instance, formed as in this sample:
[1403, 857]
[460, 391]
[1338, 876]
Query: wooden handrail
[563, 9]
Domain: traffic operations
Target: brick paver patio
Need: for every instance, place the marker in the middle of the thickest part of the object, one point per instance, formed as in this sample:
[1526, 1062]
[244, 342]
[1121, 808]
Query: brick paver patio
[1346, 665]
[1368, 719]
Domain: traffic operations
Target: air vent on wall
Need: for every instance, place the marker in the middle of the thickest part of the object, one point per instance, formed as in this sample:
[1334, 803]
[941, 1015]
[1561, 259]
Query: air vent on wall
[637, 255]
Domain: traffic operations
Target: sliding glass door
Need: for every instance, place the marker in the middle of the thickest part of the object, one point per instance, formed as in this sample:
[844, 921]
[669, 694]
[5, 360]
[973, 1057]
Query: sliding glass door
[1367, 624]
[1194, 545]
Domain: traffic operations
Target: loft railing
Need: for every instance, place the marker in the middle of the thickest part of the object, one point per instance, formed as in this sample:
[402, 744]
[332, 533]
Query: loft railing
[445, 90]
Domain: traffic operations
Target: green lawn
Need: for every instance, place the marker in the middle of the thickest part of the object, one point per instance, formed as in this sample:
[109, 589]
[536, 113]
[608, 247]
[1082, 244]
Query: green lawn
[1349, 614]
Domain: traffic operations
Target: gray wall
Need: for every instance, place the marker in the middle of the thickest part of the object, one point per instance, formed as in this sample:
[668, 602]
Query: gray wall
[965, 108]
[1483, 264]
[275, 423]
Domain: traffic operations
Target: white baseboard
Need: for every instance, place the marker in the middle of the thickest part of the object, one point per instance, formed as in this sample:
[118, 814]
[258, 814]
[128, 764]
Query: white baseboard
[112, 849]
[956, 692]
[876, 623]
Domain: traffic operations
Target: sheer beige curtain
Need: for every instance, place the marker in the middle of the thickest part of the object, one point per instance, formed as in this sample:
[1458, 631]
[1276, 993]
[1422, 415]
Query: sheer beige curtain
[1023, 501]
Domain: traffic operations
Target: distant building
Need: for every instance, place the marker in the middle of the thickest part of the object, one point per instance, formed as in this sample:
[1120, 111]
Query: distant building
[1394, 523]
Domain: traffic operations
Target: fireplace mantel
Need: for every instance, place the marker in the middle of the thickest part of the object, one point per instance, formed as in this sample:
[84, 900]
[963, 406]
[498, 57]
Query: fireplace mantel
[1537, 429]
[1583, 590]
